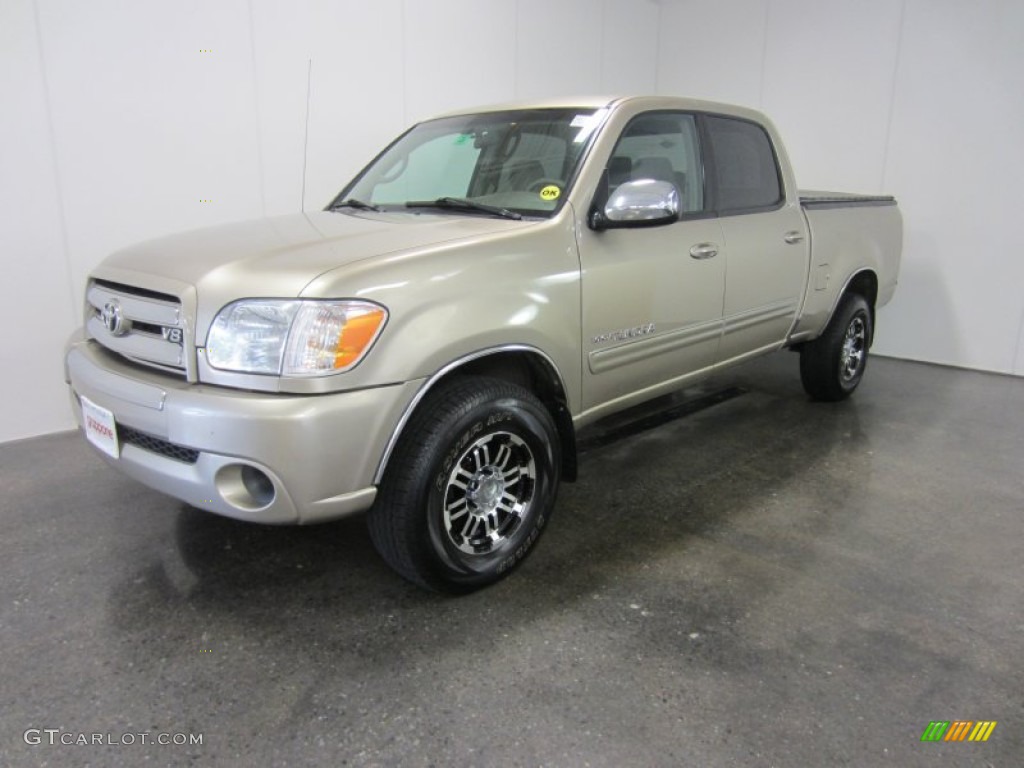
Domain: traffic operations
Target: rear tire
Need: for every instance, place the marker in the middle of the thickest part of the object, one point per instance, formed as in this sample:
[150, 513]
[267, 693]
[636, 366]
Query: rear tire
[469, 487]
[833, 365]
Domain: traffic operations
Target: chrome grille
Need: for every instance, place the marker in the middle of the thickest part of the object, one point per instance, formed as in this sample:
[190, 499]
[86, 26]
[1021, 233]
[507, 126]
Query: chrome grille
[149, 328]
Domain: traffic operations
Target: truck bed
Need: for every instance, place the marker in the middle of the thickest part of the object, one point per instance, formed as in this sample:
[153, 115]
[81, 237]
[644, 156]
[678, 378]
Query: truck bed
[850, 233]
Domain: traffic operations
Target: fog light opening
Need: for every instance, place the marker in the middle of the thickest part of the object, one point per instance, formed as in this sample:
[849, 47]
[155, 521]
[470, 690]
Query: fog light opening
[259, 486]
[245, 487]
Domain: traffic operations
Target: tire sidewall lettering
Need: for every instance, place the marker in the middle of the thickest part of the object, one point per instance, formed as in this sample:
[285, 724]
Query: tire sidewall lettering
[522, 550]
[469, 435]
[456, 451]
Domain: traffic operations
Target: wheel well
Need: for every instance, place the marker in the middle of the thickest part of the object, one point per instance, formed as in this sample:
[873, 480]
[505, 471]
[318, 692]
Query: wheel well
[534, 372]
[866, 284]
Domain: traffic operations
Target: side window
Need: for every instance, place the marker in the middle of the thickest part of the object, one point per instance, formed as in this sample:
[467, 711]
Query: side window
[661, 146]
[746, 173]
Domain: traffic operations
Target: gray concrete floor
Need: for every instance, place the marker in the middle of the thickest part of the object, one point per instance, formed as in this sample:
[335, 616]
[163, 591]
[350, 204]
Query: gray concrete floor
[766, 582]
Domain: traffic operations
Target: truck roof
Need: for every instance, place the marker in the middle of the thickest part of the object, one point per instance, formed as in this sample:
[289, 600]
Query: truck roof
[599, 101]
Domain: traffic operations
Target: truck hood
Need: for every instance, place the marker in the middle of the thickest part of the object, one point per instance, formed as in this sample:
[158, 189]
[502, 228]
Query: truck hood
[280, 256]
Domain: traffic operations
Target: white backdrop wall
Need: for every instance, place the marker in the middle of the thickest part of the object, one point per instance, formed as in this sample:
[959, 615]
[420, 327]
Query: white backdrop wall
[923, 99]
[121, 121]
[127, 120]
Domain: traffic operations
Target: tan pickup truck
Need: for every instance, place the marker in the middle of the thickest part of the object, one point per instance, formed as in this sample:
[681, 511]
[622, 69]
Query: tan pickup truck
[428, 346]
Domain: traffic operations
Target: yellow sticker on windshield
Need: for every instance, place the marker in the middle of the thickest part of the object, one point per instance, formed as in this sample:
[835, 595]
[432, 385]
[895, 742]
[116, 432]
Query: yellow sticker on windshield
[550, 192]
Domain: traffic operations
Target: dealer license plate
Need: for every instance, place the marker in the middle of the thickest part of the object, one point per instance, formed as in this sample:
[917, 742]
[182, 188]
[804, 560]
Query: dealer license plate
[100, 428]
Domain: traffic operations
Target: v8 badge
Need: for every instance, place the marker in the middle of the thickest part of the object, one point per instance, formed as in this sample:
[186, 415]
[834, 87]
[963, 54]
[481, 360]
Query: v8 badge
[172, 335]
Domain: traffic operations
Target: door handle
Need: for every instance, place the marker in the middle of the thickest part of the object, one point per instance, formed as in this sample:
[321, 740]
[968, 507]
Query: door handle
[704, 250]
[793, 237]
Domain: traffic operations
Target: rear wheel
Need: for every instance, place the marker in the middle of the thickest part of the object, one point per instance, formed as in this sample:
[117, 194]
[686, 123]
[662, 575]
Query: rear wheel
[469, 487]
[833, 365]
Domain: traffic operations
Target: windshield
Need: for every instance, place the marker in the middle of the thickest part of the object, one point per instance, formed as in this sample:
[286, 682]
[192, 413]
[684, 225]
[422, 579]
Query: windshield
[520, 161]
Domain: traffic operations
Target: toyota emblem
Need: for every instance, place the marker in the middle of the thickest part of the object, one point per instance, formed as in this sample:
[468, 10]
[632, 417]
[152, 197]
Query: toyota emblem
[113, 320]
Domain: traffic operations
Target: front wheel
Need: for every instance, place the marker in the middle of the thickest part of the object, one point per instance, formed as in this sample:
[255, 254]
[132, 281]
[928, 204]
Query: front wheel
[469, 487]
[832, 365]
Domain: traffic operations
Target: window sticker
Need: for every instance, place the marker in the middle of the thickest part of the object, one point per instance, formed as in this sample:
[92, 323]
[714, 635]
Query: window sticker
[462, 138]
[588, 124]
[550, 193]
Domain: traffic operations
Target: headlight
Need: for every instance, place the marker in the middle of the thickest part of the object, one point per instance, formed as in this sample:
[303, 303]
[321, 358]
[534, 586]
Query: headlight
[293, 337]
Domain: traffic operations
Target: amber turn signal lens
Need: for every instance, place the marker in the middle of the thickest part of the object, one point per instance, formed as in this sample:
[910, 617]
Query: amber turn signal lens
[360, 329]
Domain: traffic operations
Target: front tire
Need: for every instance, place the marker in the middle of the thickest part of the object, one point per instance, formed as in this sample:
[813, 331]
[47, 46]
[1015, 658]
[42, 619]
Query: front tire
[470, 485]
[833, 365]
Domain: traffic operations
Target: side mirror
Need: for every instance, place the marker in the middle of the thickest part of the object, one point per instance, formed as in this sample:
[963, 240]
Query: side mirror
[639, 203]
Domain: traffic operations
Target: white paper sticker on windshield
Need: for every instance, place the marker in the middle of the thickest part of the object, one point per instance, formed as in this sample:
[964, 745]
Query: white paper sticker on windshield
[587, 124]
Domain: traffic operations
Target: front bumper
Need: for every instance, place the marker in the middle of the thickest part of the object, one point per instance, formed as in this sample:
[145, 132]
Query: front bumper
[317, 453]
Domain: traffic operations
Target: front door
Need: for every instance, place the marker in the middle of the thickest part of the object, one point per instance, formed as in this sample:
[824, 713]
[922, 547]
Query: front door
[652, 297]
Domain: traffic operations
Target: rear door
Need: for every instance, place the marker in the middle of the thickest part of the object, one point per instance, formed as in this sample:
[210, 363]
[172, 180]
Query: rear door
[652, 297]
[766, 245]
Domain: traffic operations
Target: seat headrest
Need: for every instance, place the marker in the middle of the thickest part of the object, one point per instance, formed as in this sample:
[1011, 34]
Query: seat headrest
[657, 168]
[619, 169]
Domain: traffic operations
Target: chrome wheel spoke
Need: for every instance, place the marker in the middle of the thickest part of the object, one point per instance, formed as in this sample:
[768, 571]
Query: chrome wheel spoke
[851, 355]
[461, 478]
[503, 456]
[488, 493]
[457, 508]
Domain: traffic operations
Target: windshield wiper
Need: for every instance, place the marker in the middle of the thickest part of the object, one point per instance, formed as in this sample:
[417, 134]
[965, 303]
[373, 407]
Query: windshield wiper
[461, 204]
[351, 202]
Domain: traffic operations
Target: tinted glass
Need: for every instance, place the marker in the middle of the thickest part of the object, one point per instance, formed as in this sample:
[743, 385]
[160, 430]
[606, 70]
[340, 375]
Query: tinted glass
[745, 169]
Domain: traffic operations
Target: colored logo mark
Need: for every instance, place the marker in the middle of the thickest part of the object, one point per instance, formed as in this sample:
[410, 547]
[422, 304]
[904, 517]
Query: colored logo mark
[958, 730]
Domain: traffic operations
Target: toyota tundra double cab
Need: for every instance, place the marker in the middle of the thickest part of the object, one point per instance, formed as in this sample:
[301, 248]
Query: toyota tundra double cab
[426, 348]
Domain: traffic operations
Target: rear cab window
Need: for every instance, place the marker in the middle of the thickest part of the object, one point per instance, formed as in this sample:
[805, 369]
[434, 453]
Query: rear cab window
[745, 171]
